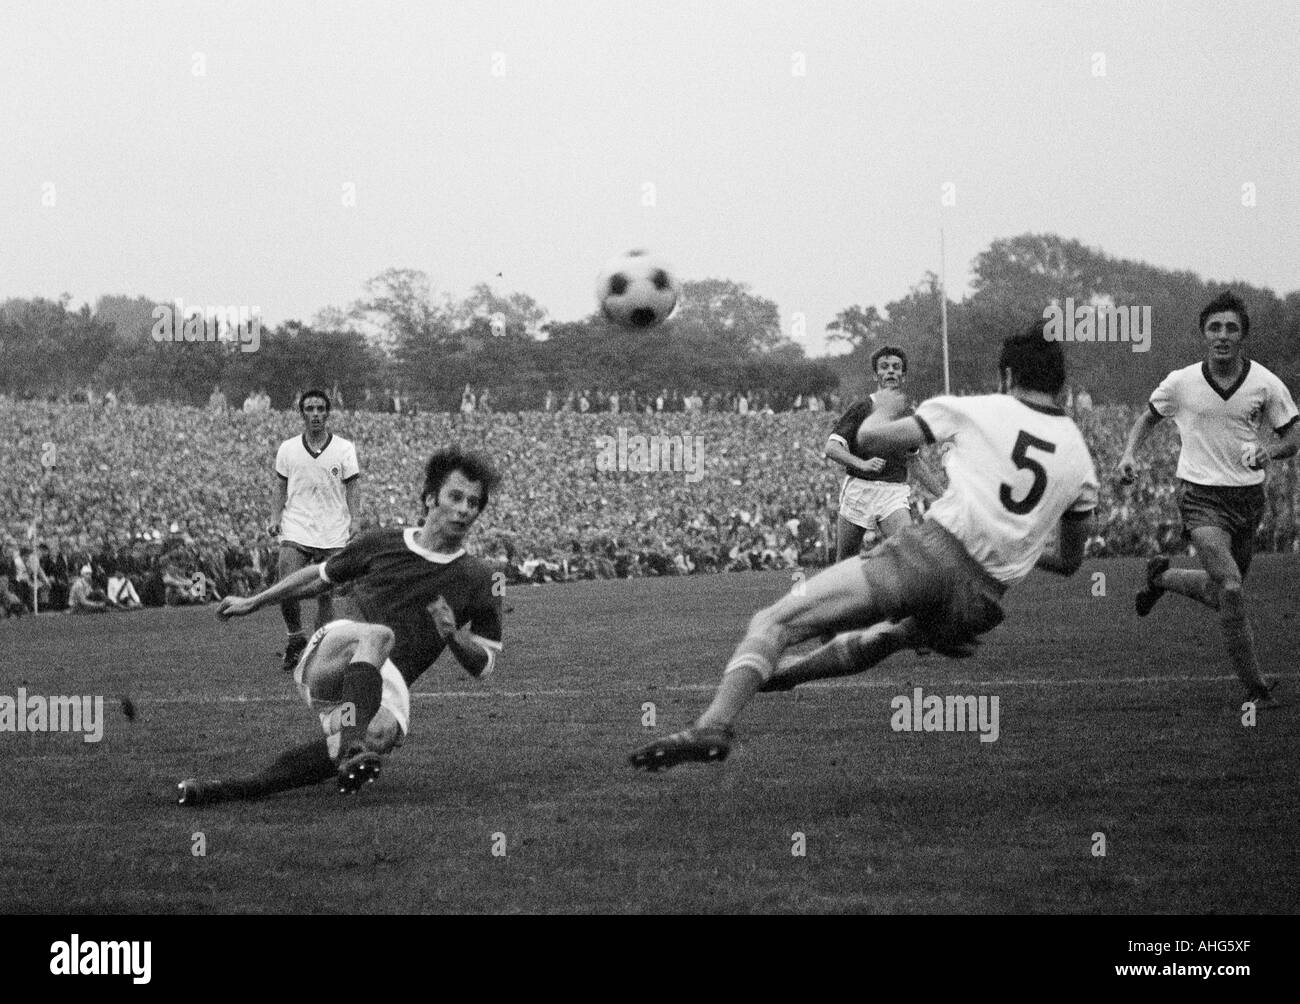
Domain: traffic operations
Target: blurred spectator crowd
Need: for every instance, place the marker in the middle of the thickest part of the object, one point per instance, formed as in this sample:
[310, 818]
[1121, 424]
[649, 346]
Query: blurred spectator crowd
[113, 505]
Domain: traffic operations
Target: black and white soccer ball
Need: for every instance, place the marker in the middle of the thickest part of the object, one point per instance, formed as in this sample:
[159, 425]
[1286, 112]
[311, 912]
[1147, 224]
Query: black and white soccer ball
[637, 290]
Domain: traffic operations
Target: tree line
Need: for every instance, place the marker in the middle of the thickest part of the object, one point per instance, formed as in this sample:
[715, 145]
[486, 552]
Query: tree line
[1017, 279]
[404, 338]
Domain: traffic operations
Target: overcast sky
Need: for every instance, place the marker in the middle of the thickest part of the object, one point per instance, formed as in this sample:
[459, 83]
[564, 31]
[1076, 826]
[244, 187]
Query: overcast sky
[203, 150]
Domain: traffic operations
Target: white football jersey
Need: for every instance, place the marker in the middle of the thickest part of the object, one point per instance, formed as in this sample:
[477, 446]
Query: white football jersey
[1014, 470]
[316, 508]
[1215, 422]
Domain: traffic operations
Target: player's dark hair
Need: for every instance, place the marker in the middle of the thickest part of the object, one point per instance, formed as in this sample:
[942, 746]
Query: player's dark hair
[474, 466]
[302, 401]
[888, 350]
[1225, 301]
[1036, 362]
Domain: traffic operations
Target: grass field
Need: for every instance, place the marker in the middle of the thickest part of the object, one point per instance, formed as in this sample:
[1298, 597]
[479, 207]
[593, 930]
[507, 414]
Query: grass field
[1107, 724]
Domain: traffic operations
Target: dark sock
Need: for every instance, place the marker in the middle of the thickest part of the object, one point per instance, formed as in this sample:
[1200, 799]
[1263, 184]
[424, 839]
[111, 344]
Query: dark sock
[363, 687]
[1240, 641]
[298, 767]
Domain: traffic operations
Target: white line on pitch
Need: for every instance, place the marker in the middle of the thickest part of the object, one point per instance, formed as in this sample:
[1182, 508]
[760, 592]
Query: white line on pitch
[707, 687]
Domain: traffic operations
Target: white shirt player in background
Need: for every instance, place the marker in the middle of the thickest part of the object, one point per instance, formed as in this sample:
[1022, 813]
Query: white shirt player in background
[1219, 406]
[314, 509]
[1018, 468]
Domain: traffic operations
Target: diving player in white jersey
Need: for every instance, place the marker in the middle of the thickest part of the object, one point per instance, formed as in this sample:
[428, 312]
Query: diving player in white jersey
[1219, 405]
[315, 503]
[1017, 468]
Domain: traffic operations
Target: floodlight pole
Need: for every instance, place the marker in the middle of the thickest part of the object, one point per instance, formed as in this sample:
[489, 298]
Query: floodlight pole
[943, 313]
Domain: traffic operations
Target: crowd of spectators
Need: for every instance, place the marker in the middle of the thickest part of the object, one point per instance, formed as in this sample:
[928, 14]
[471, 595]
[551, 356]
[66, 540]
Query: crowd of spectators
[629, 402]
[168, 504]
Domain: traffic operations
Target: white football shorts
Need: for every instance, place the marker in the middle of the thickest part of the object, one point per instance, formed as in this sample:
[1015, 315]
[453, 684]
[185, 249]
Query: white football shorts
[391, 722]
[866, 503]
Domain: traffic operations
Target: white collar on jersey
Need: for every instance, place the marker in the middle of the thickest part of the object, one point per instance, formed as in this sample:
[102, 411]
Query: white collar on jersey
[424, 552]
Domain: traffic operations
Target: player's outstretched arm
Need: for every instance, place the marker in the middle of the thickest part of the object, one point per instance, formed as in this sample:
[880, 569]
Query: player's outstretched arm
[1071, 540]
[1127, 469]
[896, 436]
[301, 585]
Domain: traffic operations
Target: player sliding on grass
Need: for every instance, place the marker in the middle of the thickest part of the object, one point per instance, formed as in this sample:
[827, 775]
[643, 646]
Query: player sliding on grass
[415, 592]
[1017, 468]
[1218, 406]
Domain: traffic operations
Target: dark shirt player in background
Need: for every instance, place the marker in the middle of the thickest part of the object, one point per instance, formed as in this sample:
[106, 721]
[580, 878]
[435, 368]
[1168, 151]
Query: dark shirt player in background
[875, 494]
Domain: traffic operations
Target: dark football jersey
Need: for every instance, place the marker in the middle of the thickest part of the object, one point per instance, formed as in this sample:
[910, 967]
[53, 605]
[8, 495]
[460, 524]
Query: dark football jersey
[846, 430]
[394, 580]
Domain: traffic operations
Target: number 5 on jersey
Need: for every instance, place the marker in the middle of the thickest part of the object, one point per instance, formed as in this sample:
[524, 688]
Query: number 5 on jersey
[1020, 455]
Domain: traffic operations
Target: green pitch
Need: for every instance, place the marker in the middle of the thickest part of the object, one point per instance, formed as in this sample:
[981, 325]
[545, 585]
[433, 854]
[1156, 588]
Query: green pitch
[514, 795]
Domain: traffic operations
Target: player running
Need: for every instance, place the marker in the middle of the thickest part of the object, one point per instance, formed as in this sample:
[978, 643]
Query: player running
[416, 592]
[314, 507]
[1218, 406]
[1018, 467]
[875, 494]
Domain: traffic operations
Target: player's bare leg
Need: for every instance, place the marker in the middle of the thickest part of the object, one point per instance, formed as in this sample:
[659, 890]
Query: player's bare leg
[848, 539]
[850, 535]
[845, 655]
[895, 522]
[324, 610]
[1214, 548]
[858, 651]
[848, 544]
[1194, 583]
[291, 560]
[840, 598]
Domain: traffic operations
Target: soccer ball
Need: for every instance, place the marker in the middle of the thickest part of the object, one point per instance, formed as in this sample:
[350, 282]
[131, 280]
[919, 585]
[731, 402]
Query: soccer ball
[636, 290]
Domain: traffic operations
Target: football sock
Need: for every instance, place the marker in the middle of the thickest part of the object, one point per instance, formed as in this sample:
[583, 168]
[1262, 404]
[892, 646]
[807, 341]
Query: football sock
[363, 687]
[847, 654]
[302, 765]
[1240, 640]
[752, 663]
[1192, 583]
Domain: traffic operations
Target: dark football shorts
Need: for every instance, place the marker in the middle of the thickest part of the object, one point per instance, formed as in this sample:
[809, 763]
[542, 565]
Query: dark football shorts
[1237, 511]
[924, 572]
[294, 557]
